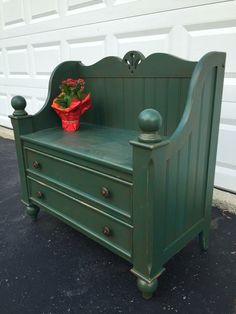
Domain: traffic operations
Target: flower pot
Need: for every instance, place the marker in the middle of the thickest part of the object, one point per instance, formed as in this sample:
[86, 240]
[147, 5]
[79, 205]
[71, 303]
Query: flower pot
[70, 117]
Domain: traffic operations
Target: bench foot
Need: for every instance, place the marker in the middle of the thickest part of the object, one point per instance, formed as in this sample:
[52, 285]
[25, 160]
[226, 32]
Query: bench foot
[147, 289]
[32, 211]
[203, 240]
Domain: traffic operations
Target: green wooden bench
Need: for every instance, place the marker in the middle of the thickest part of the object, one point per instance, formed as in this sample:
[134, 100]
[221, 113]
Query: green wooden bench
[138, 175]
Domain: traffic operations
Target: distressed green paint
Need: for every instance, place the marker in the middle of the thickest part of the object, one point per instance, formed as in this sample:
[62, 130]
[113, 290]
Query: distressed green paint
[89, 183]
[160, 187]
[22, 124]
[83, 216]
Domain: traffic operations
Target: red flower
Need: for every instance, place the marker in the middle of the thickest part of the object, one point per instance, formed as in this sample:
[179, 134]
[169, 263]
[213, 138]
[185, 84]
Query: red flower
[71, 88]
[69, 82]
[81, 81]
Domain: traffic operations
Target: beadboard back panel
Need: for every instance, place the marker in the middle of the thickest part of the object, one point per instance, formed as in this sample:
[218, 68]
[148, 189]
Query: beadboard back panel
[37, 35]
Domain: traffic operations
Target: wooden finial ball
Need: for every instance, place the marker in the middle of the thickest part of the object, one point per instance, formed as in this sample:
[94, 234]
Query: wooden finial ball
[19, 104]
[150, 121]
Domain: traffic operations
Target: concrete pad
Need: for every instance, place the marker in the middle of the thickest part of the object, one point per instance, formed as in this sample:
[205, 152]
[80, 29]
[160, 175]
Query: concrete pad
[6, 133]
[224, 200]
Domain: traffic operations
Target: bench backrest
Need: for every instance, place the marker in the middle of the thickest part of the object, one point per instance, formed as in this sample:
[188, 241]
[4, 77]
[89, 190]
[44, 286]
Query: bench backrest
[121, 89]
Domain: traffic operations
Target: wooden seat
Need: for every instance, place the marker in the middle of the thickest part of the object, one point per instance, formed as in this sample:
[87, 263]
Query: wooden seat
[105, 145]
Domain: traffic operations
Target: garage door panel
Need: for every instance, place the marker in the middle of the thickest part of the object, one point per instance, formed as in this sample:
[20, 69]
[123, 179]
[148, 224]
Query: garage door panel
[1, 63]
[35, 98]
[46, 57]
[17, 61]
[80, 6]
[229, 92]
[228, 113]
[207, 40]
[88, 50]
[146, 42]
[4, 104]
[226, 178]
[226, 144]
[13, 12]
[43, 8]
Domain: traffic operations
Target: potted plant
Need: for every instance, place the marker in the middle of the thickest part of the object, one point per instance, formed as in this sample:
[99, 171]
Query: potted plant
[71, 103]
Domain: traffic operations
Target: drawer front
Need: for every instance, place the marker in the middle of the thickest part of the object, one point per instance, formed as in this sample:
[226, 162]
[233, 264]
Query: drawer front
[112, 233]
[109, 191]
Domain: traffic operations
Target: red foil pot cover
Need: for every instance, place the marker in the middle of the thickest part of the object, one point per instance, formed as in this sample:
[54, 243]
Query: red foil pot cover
[70, 117]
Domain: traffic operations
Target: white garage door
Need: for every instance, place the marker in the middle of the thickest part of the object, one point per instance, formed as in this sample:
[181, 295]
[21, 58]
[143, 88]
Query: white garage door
[36, 35]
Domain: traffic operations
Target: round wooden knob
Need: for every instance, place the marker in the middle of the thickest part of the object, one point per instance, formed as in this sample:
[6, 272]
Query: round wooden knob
[39, 194]
[105, 192]
[19, 104]
[150, 122]
[106, 231]
[36, 164]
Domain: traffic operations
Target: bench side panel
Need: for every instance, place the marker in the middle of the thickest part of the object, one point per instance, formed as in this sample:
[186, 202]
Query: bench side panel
[173, 180]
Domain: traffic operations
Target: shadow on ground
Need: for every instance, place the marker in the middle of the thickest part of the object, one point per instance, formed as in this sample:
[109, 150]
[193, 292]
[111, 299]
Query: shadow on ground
[47, 267]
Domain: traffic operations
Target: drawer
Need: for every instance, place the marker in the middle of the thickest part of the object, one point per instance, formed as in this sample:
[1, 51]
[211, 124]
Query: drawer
[110, 191]
[111, 232]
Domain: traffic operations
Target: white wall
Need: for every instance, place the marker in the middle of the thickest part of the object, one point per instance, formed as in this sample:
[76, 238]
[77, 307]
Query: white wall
[35, 35]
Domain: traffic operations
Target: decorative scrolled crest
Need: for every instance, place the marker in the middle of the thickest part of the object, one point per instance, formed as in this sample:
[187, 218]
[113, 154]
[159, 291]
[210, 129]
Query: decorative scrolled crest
[133, 59]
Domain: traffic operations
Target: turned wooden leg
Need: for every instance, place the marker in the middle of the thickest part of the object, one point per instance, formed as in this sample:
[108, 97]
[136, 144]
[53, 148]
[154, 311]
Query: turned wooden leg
[32, 211]
[146, 288]
[204, 240]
